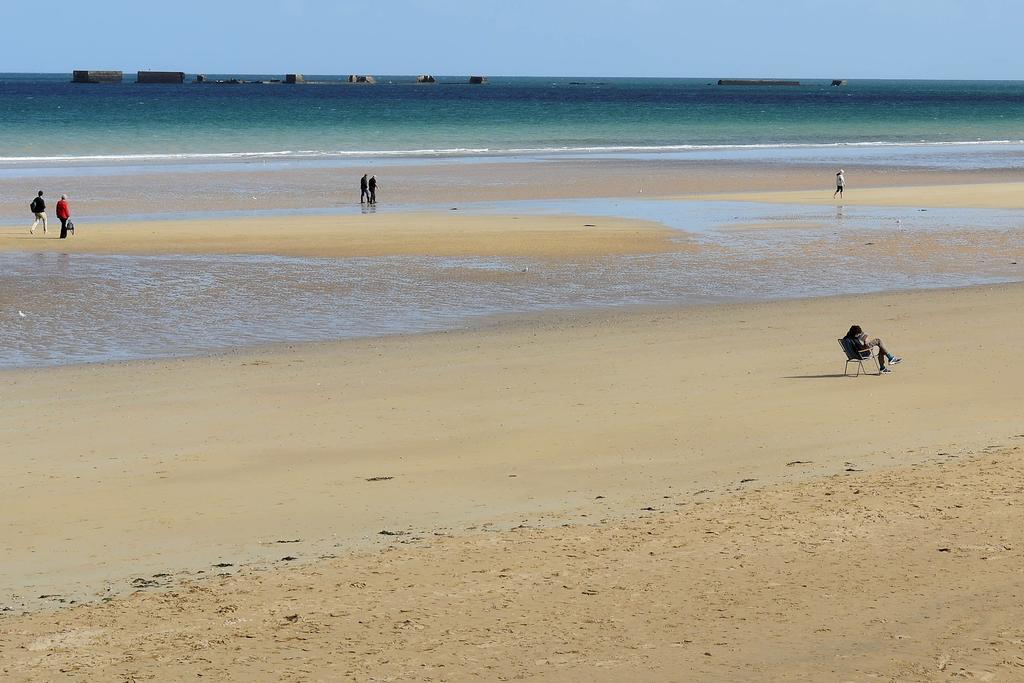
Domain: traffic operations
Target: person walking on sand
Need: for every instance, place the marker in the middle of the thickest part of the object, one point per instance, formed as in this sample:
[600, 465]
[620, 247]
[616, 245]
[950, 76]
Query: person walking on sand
[860, 341]
[64, 214]
[38, 209]
[372, 185]
[364, 195]
[840, 184]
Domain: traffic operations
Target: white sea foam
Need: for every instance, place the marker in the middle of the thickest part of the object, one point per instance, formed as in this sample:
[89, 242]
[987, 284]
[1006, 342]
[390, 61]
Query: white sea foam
[477, 151]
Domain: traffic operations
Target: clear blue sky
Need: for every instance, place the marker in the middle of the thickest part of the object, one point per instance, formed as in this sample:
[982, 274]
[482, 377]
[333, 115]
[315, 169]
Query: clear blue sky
[702, 38]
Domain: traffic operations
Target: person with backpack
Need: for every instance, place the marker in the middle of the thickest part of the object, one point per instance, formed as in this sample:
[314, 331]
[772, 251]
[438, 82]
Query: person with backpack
[64, 214]
[38, 209]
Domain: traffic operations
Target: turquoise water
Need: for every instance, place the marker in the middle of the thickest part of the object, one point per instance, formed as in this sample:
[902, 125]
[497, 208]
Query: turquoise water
[48, 118]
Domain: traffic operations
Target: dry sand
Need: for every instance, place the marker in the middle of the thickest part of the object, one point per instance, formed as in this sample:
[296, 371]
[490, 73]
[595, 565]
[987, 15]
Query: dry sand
[907, 574]
[423, 234]
[159, 470]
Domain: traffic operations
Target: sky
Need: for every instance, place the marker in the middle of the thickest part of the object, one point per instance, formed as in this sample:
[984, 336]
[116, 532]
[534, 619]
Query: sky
[946, 39]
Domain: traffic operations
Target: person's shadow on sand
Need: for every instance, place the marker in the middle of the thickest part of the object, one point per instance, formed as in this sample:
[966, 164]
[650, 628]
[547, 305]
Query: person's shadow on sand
[838, 374]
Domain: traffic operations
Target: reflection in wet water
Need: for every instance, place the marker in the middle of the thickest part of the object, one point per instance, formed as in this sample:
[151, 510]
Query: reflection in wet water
[717, 216]
[58, 309]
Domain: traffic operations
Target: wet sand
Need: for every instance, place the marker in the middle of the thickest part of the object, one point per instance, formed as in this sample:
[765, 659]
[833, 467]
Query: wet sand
[988, 195]
[249, 186]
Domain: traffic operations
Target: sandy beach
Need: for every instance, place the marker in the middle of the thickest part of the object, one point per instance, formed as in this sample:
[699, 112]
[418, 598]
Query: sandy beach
[664, 492]
[146, 477]
[908, 573]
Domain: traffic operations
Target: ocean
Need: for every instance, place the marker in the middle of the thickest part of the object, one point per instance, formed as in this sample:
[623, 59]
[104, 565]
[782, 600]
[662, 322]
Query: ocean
[49, 120]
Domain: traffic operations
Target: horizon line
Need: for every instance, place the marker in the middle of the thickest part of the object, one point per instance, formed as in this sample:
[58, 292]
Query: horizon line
[487, 75]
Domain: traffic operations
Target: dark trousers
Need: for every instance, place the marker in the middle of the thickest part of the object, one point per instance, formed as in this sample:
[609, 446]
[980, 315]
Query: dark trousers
[364, 195]
[373, 196]
[63, 228]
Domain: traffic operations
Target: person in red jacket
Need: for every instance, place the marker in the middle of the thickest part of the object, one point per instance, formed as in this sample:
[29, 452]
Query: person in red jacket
[63, 213]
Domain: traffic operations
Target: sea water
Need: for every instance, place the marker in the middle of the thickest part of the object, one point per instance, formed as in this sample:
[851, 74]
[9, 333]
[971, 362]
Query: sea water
[48, 119]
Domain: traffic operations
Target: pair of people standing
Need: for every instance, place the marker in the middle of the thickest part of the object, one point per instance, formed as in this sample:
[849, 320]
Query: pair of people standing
[368, 190]
[38, 209]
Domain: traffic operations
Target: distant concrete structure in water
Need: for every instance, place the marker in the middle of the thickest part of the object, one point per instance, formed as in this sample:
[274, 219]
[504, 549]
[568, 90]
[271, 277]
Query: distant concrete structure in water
[202, 78]
[176, 77]
[160, 77]
[839, 82]
[84, 76]
[755, 81]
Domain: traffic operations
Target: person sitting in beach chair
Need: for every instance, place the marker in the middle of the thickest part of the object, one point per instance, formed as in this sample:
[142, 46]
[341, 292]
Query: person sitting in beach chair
[859, 341]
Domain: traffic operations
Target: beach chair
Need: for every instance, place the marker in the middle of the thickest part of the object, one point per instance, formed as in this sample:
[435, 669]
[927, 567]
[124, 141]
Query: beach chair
[853, 355]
